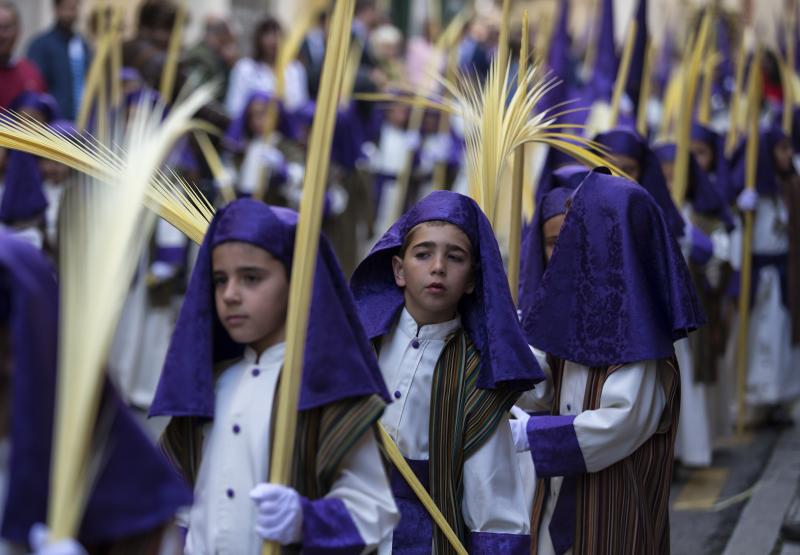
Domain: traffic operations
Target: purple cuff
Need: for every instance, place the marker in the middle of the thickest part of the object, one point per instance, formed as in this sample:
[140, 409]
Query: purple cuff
[171, 255]
[329, 528]
[554, 446]
[702, 248]
[509, 544]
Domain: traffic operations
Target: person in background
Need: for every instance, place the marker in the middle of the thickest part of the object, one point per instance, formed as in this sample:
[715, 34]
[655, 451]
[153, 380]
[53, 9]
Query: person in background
[63, 57]
[16, 75]
[214, 56]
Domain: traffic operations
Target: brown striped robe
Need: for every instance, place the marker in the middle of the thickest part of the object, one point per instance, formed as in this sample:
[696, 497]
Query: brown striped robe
[624, 508]
[325, 435]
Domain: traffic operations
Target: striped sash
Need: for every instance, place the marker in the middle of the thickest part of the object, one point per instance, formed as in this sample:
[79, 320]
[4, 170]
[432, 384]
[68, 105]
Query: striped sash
[324, 437]
[462, 418]
[623, 508]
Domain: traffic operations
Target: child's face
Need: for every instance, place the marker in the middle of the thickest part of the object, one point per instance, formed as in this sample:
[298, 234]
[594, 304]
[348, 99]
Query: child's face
[627, 164]
[257, 117]
[251, 291]
[703, 154]
[783, 156]
[54, 172]
[551, 229]
[668, 169]
[435, 271]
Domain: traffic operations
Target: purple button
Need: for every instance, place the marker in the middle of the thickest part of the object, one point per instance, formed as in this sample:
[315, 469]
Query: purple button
[255, 372]
[415, 343]
[397, 394]
[229, 493]
[236, 429]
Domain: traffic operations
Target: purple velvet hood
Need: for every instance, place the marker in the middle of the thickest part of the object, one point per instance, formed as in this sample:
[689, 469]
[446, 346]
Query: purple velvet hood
[488, 314]
[339, 361]
[617, 289]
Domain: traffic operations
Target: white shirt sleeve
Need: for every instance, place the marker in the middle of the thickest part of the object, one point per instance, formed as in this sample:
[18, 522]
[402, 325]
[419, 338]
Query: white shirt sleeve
[631, 405]
[363, 487]
[238, 87]
[493, 490]
[539, 399]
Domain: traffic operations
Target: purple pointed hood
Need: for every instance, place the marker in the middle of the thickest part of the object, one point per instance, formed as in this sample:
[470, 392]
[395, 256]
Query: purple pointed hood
[617, 289]
[607, 61]
[349, 369]
[636, 73]
[627, 142]
[136, 489]
[488, 314]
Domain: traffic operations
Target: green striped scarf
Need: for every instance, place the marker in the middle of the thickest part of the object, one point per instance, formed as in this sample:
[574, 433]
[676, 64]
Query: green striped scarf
[462, 418]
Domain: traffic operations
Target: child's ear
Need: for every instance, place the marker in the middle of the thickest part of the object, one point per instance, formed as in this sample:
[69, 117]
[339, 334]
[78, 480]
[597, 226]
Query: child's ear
[399, 272]
[471, 283]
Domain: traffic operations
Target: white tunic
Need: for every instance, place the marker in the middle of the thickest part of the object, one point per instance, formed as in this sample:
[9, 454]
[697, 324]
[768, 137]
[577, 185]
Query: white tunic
[631, 405]
[236, 454]
[249, 76]
[491, 473]
[772, 376]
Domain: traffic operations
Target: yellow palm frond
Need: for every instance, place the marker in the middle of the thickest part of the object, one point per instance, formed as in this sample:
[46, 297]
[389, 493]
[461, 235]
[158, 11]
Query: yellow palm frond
[172, 198]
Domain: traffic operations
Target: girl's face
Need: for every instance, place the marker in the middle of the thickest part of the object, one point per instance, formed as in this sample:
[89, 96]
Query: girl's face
[251, 292]
[54, 172]
[783, 156]
[628, 164]
[257, 117]
[704, 155]
[434, 271]
[270, 42]
[550, 231]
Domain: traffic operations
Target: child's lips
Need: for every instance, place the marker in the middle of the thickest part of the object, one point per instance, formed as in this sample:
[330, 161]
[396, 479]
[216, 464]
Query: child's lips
[235, 320]
[436, 288]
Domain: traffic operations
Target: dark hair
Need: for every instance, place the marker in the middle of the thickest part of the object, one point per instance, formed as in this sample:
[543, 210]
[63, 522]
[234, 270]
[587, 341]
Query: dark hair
[264, 27]
[12, 7]
[430, 223]
[157, 14]
[362, 5]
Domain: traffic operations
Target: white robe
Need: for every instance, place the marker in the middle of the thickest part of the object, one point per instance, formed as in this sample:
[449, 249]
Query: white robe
[773, 362]
[236, 454]
[631, 406]
[491, 473]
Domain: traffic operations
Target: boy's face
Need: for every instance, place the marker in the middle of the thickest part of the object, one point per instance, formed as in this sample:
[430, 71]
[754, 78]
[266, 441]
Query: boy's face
[668, 169]
[551, 230]
[628, 164]
[251, 291]
[435, 271]
[703, 154]
[783, 156]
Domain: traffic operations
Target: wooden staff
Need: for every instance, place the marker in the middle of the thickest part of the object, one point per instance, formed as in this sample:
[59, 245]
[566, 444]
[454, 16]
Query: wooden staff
[518, 183]
[754, 107]
[644, 93]
[306, 248]
[622, 74]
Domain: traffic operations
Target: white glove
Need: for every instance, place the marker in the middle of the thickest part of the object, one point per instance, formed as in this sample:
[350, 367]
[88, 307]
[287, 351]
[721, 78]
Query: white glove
[747, 200]
[38, 535]
[413, 140]
[270, 156]
[519, 429]
[280, 514]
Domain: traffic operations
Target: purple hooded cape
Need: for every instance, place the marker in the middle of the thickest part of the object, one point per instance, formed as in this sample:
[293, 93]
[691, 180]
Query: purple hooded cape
[703, 193]
[617, 289]
[766, 173]
[605, 68]
[552, 195]
[627, 142]
[136, 489]
[721, 171]
[23, 197]
[488, 314]
[339, 362]
[41, 102]
[636, 73]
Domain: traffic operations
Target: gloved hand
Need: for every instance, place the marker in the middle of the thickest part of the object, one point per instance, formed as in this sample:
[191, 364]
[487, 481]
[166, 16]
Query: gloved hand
[38, 536]
[271, 156]
[280, 514]
[519, 429]
[747, 200]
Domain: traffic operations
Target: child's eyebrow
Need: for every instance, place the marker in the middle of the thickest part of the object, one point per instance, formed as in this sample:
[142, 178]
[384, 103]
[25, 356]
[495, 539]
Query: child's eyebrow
[425, 244]
[454, 247]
